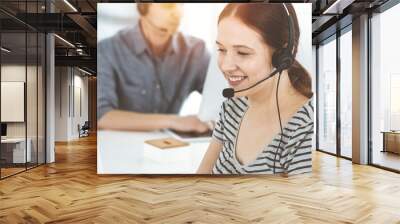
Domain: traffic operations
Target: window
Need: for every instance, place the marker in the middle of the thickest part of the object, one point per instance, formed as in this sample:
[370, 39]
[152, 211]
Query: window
[22, 76]
[327, 97]
[385, 89]
[346, 94]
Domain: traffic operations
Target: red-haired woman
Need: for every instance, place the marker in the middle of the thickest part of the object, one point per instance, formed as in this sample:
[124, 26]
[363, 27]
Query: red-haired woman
[267, 129]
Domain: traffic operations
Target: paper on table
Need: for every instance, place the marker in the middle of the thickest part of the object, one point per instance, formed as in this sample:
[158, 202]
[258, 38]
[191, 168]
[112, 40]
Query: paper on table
[166, 143]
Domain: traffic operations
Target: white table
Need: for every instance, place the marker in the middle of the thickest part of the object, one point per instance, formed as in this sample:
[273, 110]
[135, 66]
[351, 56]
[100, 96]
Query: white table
[19, 149]
[126, 153]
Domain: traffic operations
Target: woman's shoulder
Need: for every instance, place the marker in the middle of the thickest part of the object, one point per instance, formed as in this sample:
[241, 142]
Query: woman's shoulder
[302, 122]
[305, 114]
[310, 104]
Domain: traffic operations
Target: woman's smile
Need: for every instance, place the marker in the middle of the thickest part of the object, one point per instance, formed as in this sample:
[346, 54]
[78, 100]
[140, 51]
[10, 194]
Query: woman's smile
[235, 80]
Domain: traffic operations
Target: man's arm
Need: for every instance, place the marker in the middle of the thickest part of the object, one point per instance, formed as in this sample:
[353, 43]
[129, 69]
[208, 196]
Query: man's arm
[134, 121]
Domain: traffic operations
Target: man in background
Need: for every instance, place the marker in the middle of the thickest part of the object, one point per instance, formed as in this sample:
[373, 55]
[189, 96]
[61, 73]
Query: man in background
[146, 72]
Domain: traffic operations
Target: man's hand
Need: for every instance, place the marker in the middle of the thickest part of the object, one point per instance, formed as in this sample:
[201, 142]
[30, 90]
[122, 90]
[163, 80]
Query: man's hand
[189, 124]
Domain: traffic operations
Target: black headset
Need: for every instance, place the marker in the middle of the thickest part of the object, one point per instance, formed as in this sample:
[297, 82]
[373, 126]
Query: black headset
[282, 59]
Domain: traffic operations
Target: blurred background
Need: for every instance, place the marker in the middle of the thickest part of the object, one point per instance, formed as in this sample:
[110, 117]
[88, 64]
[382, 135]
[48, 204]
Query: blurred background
[199, 20]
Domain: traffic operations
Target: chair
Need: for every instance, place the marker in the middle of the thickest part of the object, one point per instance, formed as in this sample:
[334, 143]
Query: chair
[84, 130]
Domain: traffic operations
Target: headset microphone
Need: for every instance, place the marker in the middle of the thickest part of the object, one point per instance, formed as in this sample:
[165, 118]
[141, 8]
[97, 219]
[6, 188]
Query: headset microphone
[230, 92]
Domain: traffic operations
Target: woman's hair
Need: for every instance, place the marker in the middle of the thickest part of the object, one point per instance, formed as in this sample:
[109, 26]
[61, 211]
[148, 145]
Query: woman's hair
[271, 21]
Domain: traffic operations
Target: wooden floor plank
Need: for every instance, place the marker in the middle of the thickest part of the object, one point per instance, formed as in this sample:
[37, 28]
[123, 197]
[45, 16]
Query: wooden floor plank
[70, 191]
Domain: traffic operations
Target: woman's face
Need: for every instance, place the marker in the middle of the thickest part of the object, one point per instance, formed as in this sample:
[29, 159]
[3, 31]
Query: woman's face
[243, 57]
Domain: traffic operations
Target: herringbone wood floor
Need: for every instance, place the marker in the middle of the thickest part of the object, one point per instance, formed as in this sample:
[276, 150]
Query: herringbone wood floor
[70, 191]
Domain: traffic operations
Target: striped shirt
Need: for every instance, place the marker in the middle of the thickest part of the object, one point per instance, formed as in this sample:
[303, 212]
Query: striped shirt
[293, 155]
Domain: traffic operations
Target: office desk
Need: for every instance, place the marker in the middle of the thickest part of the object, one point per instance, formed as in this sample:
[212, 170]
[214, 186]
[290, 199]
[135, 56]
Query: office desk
[17, 150]
[126, 153]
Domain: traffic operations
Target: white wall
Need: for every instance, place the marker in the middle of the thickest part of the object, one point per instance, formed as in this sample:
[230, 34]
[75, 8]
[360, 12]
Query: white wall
[69, 85]
[33, 127]
[61, 103]
[80, 94]
[12, 73]
[12, 101]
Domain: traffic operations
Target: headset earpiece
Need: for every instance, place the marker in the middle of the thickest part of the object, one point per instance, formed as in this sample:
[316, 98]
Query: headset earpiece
[282, 59]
